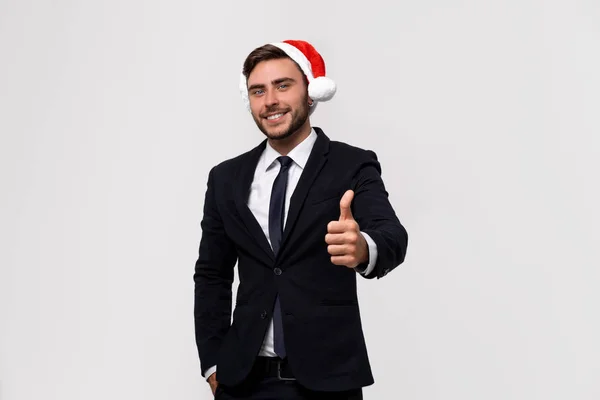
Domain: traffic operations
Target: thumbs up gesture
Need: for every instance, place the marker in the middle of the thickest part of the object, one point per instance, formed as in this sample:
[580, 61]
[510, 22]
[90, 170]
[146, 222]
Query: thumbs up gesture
[346, 244]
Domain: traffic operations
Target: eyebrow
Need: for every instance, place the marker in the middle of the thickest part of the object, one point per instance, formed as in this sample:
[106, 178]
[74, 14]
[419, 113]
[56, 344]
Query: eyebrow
[275, 82]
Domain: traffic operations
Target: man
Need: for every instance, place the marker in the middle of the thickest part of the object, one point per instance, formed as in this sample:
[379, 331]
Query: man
[302, 216]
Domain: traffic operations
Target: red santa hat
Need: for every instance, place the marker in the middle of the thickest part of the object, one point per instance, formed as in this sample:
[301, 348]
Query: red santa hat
[320, 87]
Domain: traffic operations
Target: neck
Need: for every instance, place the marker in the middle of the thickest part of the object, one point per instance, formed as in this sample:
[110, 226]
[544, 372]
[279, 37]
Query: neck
[284, 146]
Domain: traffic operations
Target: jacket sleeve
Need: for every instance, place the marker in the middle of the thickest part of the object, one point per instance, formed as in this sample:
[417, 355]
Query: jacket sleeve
[376, 217]
[213, 278]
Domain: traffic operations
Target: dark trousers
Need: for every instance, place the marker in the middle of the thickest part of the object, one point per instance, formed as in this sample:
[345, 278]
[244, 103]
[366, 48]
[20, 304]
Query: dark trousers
[261, 386]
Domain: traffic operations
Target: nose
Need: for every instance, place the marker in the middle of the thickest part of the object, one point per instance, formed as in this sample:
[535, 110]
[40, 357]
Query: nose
[271, 99]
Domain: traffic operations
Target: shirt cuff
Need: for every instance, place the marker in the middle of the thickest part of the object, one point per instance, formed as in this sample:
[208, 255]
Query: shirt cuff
[210, 371]
[372, 255]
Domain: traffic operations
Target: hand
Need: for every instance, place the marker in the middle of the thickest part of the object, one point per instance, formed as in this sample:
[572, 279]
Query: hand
[346, 244]
[212, 381]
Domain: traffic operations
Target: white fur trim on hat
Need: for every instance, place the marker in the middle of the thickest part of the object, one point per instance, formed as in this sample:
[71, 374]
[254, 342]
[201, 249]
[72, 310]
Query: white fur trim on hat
[298, 57]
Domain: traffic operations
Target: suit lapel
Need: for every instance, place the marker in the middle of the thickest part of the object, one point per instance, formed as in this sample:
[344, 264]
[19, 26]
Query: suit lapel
[316, 161]
[245, 175]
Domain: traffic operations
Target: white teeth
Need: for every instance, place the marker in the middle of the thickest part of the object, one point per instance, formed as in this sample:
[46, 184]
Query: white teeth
[275, 116]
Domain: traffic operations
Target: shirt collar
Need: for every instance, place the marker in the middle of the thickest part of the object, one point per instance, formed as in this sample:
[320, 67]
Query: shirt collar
[299, 154]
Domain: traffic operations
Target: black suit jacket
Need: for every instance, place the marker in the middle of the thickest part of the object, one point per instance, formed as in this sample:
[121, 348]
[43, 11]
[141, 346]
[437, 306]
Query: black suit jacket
[322, 325]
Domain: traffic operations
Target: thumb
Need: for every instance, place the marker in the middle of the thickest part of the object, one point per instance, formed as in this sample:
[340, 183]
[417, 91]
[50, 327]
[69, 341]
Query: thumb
[345, 202]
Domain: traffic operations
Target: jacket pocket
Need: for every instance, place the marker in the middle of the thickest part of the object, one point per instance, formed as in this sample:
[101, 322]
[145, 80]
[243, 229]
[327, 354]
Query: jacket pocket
[325, 197]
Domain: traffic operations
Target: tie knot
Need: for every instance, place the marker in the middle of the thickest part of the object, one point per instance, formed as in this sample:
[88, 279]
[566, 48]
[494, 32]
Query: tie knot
[285, 161]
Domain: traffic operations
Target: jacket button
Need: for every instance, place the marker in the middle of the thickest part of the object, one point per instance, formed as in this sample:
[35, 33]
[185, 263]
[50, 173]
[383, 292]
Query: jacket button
[263, 314]
[277, 271]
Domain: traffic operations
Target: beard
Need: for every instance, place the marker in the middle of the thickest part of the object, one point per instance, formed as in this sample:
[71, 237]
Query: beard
[299, 117]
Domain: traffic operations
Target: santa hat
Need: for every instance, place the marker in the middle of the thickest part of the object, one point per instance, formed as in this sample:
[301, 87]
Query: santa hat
[320, 87]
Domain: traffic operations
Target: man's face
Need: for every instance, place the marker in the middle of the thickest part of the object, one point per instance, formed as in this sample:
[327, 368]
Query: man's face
[278, 98]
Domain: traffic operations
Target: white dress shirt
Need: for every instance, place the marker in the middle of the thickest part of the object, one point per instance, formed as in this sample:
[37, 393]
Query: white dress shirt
[259, 199]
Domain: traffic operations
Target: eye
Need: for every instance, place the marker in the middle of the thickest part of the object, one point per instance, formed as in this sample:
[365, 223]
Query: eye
[257, 92]
[283, 86]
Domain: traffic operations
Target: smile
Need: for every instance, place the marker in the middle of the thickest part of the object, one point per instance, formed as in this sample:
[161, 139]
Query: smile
[275, 116]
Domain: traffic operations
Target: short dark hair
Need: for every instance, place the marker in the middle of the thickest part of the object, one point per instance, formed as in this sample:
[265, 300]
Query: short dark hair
[264, 53]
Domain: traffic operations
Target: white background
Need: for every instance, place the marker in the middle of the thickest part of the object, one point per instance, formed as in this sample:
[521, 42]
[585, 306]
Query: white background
[484, 114]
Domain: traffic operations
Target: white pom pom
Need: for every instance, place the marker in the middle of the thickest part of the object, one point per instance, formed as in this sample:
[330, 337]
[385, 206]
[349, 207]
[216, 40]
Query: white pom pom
[321, 88]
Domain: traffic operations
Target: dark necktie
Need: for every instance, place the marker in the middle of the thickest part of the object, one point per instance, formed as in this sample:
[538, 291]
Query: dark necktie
[276, 217]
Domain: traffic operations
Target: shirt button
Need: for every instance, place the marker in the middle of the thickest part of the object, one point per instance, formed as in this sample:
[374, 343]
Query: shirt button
[277, 271]
[263, 314]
